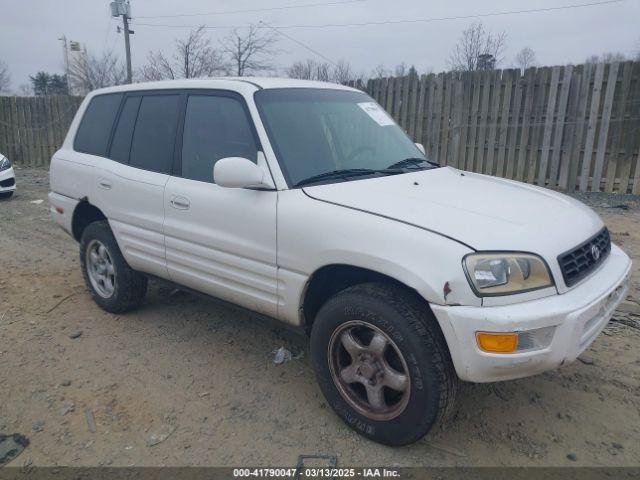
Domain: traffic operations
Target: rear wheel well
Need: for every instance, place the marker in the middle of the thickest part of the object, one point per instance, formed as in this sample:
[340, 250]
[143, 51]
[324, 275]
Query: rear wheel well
[84, 215]
[331, 279]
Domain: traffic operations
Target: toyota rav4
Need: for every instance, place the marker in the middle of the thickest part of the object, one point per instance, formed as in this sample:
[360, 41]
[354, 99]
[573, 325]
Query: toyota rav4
[304, 201]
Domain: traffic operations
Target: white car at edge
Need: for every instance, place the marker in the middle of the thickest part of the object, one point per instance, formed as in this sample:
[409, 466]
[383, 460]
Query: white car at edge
[7, 178]
[305, 202]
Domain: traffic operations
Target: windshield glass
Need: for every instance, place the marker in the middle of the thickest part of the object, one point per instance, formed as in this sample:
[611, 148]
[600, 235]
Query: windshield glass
[314, 131]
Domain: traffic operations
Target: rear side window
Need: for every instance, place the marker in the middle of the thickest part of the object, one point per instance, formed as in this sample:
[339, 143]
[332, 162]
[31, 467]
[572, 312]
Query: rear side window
[154, 133]
[121, 143]
[95, 127]
[215, 127]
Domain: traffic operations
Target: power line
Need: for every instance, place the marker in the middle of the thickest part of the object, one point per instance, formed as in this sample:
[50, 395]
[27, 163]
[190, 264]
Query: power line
[251, 10]
[458, 17]
[394, 22]
[299, 43]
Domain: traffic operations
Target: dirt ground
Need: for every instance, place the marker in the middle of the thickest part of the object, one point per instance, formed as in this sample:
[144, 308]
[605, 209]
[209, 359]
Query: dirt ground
[198, 376]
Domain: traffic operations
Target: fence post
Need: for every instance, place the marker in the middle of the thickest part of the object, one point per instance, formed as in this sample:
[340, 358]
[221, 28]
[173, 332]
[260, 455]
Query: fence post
[591, 128]
[603, 134]
[620, 135]
[556, 151]
[508, 78]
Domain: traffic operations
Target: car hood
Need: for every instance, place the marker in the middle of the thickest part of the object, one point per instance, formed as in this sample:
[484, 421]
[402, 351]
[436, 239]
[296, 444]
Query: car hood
[483, 212]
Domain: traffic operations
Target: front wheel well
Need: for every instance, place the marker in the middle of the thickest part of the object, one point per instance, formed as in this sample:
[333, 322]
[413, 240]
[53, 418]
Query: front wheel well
[84, 215]
[331, 279]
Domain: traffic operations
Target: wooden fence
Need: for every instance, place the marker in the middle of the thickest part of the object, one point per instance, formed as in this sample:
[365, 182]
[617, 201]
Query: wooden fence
[33, 128]
[572, 127]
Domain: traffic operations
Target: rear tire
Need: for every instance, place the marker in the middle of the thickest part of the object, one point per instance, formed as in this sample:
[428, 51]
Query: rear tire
[113, 284]
[6, 195]
[401, 382]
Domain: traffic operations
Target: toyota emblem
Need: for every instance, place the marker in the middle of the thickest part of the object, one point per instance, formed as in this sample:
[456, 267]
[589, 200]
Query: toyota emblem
[595, 252]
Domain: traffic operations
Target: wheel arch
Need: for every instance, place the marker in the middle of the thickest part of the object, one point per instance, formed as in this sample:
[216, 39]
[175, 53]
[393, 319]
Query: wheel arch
[84, 214]
[330, 279]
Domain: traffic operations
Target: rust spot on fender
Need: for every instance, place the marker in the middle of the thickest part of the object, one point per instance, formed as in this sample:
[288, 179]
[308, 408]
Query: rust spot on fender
[446, 290]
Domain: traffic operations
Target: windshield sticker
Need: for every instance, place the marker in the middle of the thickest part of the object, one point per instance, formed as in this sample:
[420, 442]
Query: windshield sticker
[372, 109]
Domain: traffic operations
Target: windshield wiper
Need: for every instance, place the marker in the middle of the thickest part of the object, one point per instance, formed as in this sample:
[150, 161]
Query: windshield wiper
[347, 172]
[413, 161]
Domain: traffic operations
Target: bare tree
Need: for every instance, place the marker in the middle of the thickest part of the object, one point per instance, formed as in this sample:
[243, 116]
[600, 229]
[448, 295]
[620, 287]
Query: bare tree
[525, 58]
[342, 72]
[310, 69]
[322, 72]
[607, 57]
[88, 71]
[610, 57]
[249, 51]
[193, 57]
[401, 69]
[477, 49]
[5, 78]
[197, 57]
[158, 67]
[380, 71]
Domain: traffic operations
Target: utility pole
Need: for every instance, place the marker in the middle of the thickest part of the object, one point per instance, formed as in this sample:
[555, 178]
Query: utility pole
[127, 46]
[65, 52]
[122, 8]
[63, 39]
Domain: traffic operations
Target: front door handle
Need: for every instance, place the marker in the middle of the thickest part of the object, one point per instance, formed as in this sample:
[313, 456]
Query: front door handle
[103, 183]
[180, 203]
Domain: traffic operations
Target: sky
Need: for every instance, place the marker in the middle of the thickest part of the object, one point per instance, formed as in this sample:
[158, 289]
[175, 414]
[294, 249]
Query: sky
[29, 29]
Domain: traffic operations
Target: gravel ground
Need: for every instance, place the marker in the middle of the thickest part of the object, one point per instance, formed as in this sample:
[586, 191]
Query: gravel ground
[187, 380]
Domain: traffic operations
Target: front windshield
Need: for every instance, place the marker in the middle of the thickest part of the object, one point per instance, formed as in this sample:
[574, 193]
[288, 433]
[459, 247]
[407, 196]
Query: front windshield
[314, 131]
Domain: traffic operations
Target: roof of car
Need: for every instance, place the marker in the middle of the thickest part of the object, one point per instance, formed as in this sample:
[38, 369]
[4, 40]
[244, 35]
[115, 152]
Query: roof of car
[235, 83]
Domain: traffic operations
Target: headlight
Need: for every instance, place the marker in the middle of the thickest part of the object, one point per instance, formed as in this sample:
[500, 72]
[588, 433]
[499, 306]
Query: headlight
[5, 164]
[506, 273]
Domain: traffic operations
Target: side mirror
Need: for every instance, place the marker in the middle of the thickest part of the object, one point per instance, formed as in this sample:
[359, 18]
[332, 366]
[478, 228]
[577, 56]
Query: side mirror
[420, 147]
[238, 172]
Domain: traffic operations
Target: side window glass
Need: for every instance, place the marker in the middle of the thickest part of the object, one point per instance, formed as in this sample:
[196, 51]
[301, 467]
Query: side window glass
[94, 130]
[121, 143]
[215, 127]
[154, 133]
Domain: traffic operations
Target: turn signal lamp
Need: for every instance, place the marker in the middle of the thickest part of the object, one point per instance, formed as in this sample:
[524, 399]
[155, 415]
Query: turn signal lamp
[497, 342]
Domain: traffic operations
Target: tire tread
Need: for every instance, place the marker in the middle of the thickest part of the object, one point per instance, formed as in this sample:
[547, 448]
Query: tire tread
[414, 310]
[132, 285]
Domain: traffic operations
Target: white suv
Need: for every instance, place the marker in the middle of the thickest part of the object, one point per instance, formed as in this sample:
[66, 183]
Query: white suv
[304, 201]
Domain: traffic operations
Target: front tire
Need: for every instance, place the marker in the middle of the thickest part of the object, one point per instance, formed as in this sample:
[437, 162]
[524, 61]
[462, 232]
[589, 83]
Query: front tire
[6, 195]
[113, 284]
[382, 363]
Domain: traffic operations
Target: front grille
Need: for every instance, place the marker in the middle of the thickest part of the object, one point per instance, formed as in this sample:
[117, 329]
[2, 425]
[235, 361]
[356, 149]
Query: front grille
[583, 259]
[9, 182]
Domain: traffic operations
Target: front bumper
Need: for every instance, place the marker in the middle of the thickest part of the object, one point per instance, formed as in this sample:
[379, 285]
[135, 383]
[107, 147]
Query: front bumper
[7, 180]
[578, 316]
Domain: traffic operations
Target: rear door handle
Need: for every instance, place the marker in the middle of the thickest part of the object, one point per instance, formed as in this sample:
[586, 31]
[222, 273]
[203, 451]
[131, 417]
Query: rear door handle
[102, 183]
[180, 203]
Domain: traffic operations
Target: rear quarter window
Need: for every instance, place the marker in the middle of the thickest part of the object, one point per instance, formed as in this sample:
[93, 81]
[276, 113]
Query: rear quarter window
[154, 133]
[121, 143]
[96, 124]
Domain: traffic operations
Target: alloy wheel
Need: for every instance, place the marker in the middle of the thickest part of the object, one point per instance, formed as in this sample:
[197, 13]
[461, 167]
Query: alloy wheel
[369, 370]
[100, 269]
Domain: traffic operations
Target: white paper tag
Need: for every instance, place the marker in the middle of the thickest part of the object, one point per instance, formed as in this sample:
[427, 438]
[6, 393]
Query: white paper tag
[372, 109]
